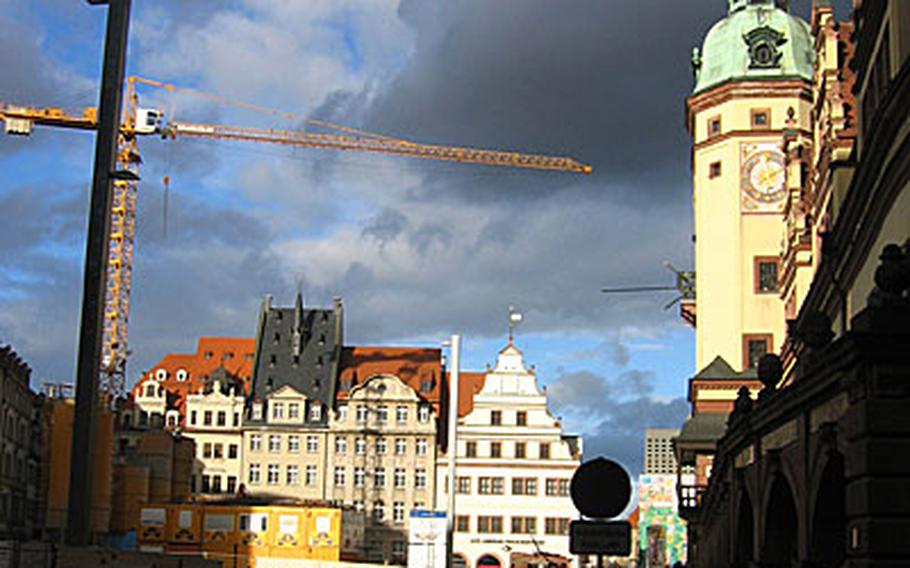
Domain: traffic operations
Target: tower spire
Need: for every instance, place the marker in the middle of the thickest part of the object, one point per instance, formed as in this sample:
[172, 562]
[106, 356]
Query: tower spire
[515, 317]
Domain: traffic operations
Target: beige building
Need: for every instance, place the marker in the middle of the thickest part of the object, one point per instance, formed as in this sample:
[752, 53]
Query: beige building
[214, 422]
[513, 469]
[382, 458]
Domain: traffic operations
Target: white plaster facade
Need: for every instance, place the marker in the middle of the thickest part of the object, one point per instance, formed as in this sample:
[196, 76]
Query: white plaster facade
[214, 423]
[514, 466]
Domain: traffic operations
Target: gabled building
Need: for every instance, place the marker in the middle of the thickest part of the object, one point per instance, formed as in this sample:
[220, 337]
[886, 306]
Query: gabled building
[160, 394]
[513, 469]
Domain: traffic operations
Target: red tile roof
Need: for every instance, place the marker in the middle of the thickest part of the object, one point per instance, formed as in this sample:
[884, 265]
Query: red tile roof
[418, 367]
[469, 384]
[235, 354]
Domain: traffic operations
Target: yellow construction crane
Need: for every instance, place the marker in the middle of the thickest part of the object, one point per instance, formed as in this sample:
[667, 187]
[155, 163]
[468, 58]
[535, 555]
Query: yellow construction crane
[139, 121]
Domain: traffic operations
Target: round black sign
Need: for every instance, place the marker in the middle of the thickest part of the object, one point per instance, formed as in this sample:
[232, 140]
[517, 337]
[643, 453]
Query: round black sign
[601, 488]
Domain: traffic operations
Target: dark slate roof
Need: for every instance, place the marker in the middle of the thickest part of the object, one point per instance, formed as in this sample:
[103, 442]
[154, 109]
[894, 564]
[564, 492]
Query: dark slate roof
[298, 347]
[720, 370]
[704, 427]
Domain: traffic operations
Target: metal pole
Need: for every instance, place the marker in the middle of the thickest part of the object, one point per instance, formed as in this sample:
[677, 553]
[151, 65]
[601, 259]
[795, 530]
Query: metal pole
[88, 367]
[453, 444]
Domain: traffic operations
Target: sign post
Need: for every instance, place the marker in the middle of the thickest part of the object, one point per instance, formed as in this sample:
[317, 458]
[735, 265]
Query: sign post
[600, 490]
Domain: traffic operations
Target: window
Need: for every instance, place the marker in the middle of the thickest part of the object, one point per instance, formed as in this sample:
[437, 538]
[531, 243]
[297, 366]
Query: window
[236, 419]
[216, 484]
[401, 446]
[310, 479]
[312, 444]
[524, 486]
[222, 418]
[382, 446]
[423, 413]
[401, 414]
[150, 390]
[524, 525]
[293, 410]
[462, 523]
[256, 442]
[274, 443]
[193, 418]
[399, 478]
[489, 486]
[713, 126]
[294, 443]
[232, 451]
[761, 118]
[379, 511]
[315, 412]
[231, 484]
[293, 475]
[339, 476]
[360, 446]
[382, 414]
[496, 417]
[341, 445]
[557, 526]
[420, 478]
[277, 410]
[398, 512]
[272, 478]
[422, 447]
[206, 484]
[754, 347]
[342, 412]
[207, 450]
[359, 476]
[495, 449]
[218, 451]
[257, 411]
[463, 485]
[255, 522]
[544, 451]
[766, 275]
[471, 449]
[520, 449]
[361, 413]
[489, 524]
[714, 170]
[521, 418]
[379, 477]
[557, 487]
[207, 418]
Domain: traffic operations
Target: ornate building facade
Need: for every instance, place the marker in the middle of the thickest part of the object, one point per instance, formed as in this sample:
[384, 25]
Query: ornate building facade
[513, 468]
[813, 471]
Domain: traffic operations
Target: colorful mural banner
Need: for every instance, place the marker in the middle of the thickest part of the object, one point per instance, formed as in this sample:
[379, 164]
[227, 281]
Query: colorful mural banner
[662, 534]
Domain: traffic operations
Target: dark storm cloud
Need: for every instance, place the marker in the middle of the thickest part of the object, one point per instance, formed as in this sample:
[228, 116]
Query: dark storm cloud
[621, 409]
[587, 78]
[620, 435]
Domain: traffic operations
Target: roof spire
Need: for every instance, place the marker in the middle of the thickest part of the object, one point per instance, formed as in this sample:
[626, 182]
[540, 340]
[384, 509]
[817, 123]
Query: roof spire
[297, 342]
[515, 317]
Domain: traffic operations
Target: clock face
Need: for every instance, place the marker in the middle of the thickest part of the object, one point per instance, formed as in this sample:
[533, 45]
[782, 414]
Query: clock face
[763, 176]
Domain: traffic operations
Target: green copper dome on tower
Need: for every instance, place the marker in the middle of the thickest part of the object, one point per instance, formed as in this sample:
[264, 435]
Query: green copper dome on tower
[759, 39]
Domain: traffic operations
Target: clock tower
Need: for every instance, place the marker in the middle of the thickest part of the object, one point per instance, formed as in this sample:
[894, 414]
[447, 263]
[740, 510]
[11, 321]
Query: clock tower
[752, 81]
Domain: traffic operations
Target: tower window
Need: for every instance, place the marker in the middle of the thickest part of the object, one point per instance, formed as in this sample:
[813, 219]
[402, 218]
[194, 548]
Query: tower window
[754, 346]
[766, 275]
[714, 170]
[713, 126]
[761, 118]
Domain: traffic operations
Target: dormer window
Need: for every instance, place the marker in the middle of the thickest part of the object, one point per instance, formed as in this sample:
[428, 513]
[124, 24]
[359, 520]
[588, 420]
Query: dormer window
[423, 413]
[182, 375]
[315, 412]
[276, 338]
[273, 360]
[160, 375]
[277, 410]
[257, 410]
[150, 390]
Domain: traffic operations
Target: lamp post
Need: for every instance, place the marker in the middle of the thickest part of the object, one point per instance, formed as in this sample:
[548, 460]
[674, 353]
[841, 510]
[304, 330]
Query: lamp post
[454, 345]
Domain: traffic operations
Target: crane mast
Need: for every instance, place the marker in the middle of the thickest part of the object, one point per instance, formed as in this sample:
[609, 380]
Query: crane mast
[137, 121]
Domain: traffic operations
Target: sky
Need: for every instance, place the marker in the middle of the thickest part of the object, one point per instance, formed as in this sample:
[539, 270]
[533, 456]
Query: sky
[417, 250]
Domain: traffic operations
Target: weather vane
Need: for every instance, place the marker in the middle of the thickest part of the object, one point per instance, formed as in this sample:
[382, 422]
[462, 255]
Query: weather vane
[515, 317]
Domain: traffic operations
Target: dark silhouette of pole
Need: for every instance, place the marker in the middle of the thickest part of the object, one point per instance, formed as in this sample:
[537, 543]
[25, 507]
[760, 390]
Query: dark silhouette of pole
[88, 365]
